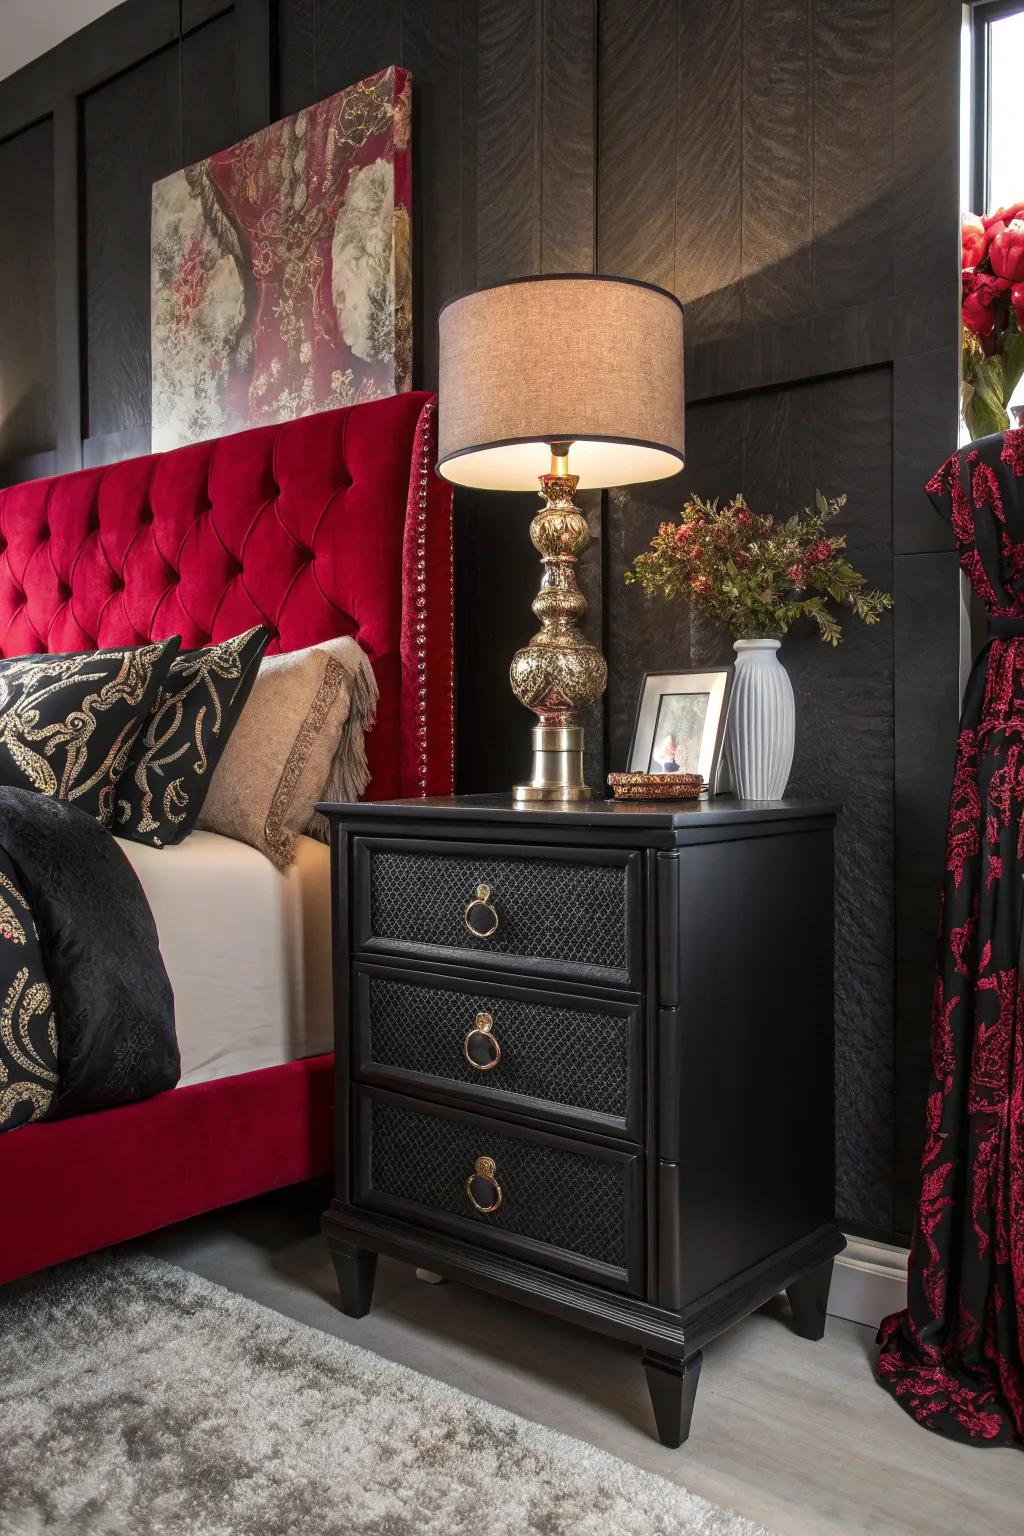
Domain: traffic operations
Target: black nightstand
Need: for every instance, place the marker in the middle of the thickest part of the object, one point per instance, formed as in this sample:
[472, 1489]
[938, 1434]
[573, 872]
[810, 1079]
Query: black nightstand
[585, 1062]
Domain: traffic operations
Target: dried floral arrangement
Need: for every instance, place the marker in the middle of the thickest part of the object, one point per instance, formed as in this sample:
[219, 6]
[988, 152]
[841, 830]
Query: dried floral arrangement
[755, 575]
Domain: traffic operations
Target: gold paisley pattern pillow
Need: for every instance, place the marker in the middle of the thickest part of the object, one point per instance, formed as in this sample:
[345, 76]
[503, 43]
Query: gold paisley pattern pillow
[168, 774]
[68, 723]
[28, 1027]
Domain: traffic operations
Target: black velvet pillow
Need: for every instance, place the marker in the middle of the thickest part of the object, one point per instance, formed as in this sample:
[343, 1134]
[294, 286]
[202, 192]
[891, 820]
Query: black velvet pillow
[164, 785]
[99, 1019]
[68, 723]
[28, 1044]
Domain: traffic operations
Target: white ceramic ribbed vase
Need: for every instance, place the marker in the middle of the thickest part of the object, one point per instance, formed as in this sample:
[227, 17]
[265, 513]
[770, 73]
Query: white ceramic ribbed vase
[762, 722]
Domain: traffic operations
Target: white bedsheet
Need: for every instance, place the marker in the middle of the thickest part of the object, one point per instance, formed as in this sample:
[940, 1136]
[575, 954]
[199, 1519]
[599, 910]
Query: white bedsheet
[247, 949]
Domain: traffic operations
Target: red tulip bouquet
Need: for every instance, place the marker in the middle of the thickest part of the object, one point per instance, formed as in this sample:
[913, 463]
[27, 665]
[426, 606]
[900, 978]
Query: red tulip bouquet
[993, 316]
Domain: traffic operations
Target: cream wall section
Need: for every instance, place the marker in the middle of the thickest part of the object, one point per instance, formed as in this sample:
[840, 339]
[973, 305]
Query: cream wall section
[31, 27]
[247, 949]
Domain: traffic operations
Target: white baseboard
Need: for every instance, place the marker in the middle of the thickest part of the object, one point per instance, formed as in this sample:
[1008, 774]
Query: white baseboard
[868, 1282]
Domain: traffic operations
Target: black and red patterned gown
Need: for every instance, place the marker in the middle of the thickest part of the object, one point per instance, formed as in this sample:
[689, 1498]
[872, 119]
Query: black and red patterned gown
[955, 1358]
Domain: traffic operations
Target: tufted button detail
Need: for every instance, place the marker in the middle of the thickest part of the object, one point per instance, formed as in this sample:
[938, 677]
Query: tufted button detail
[244, 535]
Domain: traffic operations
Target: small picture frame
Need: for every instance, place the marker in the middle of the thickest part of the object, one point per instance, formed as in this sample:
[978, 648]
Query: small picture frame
[680, 722]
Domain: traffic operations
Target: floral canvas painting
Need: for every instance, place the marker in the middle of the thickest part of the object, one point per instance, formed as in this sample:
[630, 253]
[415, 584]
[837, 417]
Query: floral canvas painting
[281, 269]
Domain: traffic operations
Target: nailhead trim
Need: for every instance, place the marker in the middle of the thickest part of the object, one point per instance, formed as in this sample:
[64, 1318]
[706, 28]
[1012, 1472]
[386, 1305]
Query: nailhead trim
[421, 594]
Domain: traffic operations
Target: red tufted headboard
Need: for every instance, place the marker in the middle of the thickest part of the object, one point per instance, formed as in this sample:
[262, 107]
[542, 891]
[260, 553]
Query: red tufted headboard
[331, 525]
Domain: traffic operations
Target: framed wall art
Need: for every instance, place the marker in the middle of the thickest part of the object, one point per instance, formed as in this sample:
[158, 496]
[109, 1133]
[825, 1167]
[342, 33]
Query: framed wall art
[281, 271]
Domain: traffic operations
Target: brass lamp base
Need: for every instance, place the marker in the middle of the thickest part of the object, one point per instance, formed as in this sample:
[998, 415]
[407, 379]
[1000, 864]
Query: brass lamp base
[557, 765]
[559, 673]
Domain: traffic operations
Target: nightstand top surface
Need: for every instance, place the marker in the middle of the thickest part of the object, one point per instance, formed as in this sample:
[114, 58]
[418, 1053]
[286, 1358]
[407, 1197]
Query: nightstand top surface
[663, 815]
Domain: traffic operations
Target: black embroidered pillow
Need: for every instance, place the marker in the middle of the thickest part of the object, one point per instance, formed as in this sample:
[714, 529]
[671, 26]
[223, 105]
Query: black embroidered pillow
[164, 785]
[68, 723]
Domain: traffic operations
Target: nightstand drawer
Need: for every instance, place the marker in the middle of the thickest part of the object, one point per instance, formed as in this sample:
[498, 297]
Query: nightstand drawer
[564, 1204]
[560, 1057]
[540, 910]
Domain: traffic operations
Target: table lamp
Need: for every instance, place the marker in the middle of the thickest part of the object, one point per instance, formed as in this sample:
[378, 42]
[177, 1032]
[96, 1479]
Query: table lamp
[576, 381]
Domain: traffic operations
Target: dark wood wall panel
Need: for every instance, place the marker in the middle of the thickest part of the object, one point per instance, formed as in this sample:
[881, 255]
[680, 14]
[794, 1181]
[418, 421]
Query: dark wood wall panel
[642, 636]
[926, 244]
[568, 227]
[928, 418]
[437, 50]
[296, 55]
[789, 169]
[846, 705]
[637, 137]
[131, 137]
[28, 350]
[355, 38]
[509, 139]
[777, 222]
[926, 585]
[927, 588]
[852, 152]
[636, 230]
[709, 168]
[209, 116]
[926, 144]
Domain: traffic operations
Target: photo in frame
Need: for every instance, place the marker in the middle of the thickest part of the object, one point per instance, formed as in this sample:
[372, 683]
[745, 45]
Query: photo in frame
[680, 722]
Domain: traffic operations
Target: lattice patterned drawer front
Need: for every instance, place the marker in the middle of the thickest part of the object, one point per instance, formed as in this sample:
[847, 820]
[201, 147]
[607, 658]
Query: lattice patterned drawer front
[569, 915]
[582, 1057]
[582, 1206]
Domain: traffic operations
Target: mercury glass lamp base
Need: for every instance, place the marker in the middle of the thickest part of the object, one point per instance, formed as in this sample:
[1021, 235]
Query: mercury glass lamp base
[557, 766]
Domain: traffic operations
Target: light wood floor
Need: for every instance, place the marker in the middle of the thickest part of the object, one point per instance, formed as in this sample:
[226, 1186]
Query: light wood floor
[794, 1434]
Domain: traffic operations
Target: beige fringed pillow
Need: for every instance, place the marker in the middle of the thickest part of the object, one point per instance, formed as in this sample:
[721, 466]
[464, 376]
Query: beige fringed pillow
[299, 739]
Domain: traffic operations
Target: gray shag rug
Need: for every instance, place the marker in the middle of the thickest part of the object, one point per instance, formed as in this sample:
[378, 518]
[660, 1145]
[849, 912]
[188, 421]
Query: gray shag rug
[138, 1398]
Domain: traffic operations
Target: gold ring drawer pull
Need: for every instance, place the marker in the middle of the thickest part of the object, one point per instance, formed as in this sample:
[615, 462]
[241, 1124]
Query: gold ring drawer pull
[484, 1170]
[483, 1027]
[481, 902]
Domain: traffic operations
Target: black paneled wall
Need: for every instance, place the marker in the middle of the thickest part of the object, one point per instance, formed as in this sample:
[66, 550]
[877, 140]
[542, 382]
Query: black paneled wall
[788, 168]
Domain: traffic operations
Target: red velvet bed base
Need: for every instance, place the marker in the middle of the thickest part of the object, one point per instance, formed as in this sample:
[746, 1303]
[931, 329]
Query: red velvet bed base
[72, 1186]
[331, 525]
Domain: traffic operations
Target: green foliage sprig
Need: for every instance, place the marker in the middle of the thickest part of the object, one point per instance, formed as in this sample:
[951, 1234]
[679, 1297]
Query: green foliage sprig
[755, 575]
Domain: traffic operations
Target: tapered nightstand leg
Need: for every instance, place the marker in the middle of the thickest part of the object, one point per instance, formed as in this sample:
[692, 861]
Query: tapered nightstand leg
[808, 1299]
[673, 1387]
[355, 1269]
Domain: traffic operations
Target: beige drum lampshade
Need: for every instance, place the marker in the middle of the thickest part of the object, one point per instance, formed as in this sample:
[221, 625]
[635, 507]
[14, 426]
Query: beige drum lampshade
[592, 361]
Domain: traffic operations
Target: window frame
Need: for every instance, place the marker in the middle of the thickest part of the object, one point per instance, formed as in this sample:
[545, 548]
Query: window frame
[982, 14]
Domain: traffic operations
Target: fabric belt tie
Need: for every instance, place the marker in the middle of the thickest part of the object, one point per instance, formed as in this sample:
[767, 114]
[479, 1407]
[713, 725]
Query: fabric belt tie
[1005, 629]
